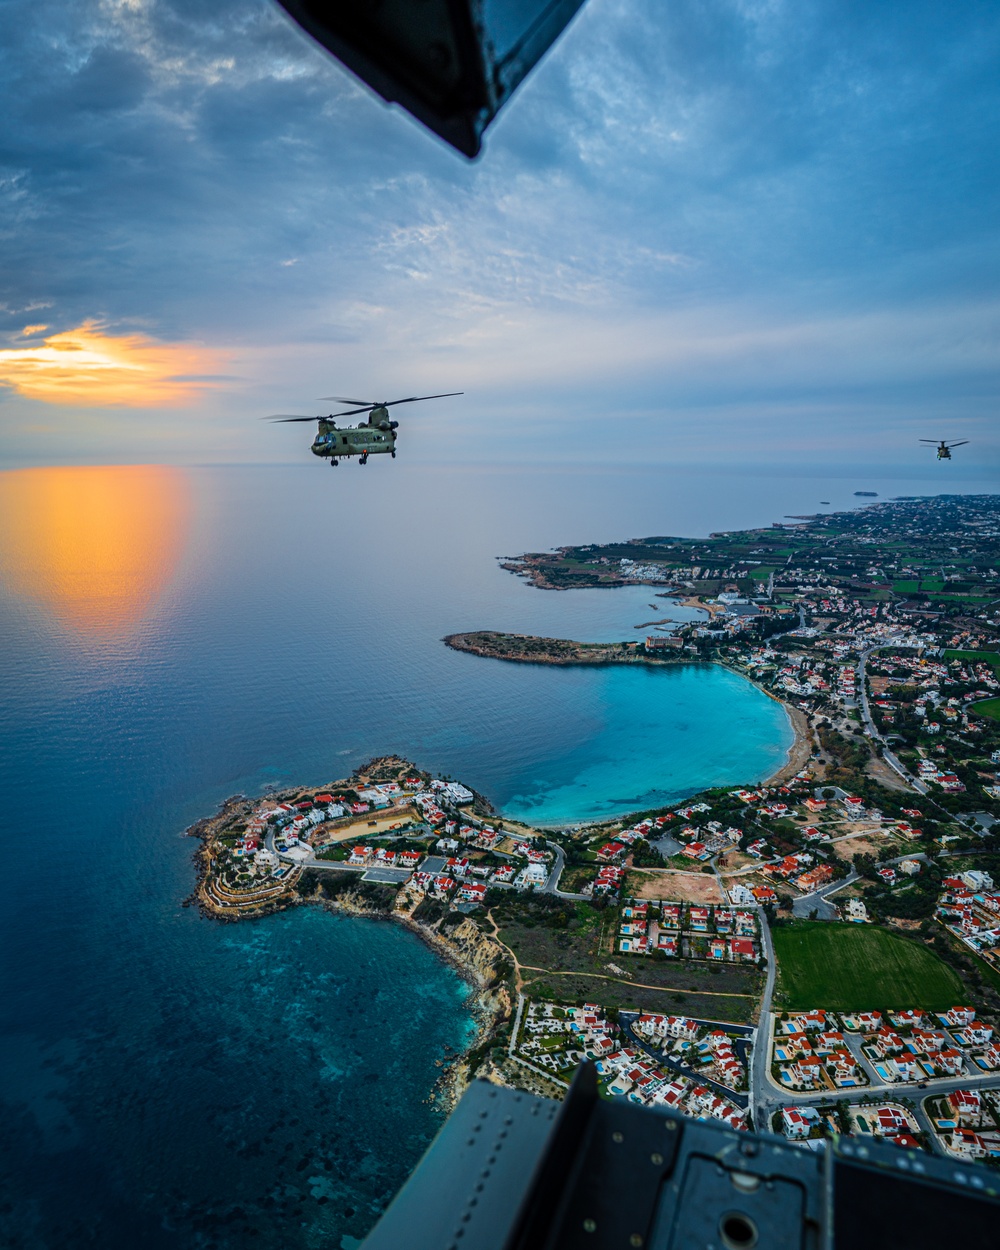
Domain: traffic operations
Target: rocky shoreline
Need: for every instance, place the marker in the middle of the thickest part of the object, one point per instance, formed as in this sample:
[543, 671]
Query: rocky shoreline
[476, 957]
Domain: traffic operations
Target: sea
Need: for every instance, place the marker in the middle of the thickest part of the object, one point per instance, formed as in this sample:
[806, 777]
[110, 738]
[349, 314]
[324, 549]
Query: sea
[172, 636]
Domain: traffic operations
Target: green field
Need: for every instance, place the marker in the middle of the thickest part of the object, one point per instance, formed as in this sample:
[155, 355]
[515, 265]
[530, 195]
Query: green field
[988, 707]
[976, 657]
[858, 967]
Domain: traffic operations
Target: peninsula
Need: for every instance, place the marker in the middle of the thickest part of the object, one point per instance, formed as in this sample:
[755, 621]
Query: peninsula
[532, 650]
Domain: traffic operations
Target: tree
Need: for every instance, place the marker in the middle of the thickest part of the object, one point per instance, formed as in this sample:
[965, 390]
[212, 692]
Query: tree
[865, 866]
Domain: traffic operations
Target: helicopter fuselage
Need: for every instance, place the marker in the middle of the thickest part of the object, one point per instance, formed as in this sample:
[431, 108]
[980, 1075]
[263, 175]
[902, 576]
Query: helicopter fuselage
[944, 453]
[374, 438]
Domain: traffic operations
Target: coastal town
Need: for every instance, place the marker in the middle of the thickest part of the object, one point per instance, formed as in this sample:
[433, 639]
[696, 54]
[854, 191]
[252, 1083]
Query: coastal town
[811, 954]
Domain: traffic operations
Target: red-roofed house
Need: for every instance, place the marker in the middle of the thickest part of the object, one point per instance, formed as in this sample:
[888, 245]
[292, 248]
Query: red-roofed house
[968, 1145]
[743, 950]
[966, 1105]
[889, 1122]
[959, 1016]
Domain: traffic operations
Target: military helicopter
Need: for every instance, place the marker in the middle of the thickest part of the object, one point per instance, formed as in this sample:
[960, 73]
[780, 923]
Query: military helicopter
[944, 447]
[373, 437]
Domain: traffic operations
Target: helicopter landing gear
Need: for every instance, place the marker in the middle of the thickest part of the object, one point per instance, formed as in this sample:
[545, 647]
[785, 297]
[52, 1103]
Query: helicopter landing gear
[393, 454]
[334, 463]
[364, 459]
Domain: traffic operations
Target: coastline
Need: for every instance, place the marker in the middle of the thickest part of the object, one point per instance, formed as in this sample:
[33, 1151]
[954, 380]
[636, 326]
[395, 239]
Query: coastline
[477, 958]
[473, 954]
[800, 752]
[801, 748]
[564, 652]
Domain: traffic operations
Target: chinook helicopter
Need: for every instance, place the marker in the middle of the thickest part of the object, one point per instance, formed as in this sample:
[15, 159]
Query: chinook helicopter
[944, 447]
[373, 437]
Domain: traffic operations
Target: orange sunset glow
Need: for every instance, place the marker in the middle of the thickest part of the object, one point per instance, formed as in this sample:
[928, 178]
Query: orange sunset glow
[92, 367]
[95, 546]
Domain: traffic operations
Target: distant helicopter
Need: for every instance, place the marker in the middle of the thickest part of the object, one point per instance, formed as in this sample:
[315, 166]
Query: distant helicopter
[944, 447]
[373, 437]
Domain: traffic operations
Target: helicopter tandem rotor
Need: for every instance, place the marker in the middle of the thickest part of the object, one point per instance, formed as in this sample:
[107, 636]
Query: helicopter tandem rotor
[375, 435]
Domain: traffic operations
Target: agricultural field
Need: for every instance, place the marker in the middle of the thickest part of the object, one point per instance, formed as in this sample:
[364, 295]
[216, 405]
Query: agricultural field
[616, 994]
[858, 967]
[975, 657]
[989, 708]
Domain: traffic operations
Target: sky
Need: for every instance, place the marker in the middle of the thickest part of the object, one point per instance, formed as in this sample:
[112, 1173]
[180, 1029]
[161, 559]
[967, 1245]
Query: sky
[709, 231]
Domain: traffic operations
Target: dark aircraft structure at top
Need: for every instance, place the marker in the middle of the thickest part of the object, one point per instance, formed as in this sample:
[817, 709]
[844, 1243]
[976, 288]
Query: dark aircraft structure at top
[373, 437]
[452, 64]
[944, 447]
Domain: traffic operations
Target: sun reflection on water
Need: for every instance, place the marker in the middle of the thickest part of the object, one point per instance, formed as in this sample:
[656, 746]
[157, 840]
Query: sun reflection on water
[96, 546]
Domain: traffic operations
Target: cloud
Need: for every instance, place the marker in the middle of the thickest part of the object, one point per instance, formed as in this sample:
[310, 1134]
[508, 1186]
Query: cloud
[686, 208]
[88, 366]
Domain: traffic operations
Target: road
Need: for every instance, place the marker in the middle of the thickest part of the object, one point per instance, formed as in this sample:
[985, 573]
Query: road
[918, 785]
[869, 724]
[552, 883]
[818, 900]
[767, 1095]
[662, 1060]
[759, 1082]
[372, 872]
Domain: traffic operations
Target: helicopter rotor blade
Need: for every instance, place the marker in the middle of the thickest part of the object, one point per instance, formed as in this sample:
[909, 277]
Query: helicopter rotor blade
[933, 441]
[341, 399]
[960, 443]
[415, 399]
[281, 416]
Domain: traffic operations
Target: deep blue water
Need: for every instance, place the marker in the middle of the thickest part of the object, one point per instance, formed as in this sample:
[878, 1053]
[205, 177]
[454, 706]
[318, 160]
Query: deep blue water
[169, 640]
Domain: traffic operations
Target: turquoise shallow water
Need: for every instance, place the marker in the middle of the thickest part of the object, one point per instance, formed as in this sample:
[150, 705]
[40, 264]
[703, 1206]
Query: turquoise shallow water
[658, 734]
[171, 1082]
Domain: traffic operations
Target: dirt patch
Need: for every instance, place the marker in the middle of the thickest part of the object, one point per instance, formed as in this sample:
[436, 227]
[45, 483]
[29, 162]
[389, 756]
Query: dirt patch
[881, 772]
[732, 861]
[869, 843]
[367, 826]
[520, 831]
[680, 887]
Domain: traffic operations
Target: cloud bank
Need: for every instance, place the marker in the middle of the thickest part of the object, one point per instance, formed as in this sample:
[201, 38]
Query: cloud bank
[762, 228]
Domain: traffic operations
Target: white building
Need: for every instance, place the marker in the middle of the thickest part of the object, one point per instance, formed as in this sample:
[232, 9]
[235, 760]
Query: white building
[458, 794]
[797, 1122]
[532, 877]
